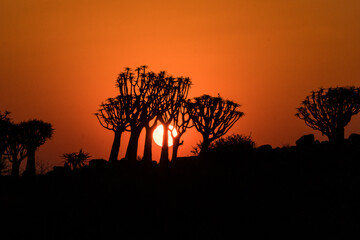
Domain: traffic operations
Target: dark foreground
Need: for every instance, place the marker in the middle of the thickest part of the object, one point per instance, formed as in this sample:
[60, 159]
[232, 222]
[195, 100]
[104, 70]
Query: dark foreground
[292, 193]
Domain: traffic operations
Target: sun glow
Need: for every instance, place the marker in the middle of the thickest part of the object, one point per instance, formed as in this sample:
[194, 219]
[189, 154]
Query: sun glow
[159, 132]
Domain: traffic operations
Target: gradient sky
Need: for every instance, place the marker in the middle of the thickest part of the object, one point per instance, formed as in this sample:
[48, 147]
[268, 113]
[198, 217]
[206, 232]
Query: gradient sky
[60, 59]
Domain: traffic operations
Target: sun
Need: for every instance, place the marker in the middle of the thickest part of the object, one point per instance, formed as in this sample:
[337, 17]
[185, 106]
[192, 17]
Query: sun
[159, 132]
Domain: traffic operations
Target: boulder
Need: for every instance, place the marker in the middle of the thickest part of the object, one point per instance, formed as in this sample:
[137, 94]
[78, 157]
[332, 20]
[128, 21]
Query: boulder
[354, 138]
[98, 163]
[266, 147]
[306, 141]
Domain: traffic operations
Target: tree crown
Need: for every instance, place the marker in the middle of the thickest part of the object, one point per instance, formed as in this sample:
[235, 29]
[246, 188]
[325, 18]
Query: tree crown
[213, 116]
[36, 132]
[328, 110]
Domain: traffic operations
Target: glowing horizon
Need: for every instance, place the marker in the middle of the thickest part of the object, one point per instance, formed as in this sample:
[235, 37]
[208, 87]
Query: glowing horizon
[60, 60]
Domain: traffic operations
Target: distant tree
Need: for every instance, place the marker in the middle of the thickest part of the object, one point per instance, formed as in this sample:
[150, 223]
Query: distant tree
[5, 124]
[213, 117]
[177, 91]
[36, 132]
[181, 122]
[330, 110]
[4, 131]
[76, 160]
[112, 116]
[141, 88]
[15, 151]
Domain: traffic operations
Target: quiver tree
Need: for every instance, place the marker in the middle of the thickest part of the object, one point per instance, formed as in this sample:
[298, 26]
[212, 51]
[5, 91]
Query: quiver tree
[157, 101]
[112, 116]
[15, 151]
[142, 90]
[213, 117]
[5, 125]
[149, 130]
[176, 92]
[181, 123]
[4, 131]
[36, 132]
[330, 110]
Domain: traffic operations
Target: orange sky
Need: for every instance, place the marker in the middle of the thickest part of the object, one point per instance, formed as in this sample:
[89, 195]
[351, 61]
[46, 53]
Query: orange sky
[60, 58]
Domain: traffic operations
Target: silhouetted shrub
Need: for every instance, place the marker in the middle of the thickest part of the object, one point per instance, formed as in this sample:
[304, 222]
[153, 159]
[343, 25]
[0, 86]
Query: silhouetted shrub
[232, 143]
[75, 160]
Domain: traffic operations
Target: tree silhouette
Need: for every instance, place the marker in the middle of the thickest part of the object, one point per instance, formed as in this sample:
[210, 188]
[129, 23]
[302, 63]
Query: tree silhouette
[142, 89]
[149, 130]
[36, 132]
[15, 151]
[212, 117]
[4, 136]
[177, 90]
[330, 110]
[4, 131]
[181, 124]
[158, 97]
[112, 116]
[76, 160]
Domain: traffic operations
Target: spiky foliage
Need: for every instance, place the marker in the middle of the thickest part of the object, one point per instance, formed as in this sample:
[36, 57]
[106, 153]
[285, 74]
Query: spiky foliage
[76, 160]
[330, 110]
[213, 117]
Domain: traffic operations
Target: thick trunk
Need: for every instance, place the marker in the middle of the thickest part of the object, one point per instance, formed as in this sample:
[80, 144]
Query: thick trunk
[176, 146]
[131, 151]
[205, 146]
[115, 147]
[15, 168]
[164, 157]
[337, 136]
[148, 143]
[30, 163]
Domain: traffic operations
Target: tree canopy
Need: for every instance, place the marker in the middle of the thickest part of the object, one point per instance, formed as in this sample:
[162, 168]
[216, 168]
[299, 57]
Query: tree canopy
[213, 117]
[330, 110]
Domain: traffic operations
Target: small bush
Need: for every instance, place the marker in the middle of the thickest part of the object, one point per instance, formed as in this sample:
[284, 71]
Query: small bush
[234, 142]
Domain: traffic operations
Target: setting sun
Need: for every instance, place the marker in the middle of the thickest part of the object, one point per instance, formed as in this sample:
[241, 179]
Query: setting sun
[159, 132]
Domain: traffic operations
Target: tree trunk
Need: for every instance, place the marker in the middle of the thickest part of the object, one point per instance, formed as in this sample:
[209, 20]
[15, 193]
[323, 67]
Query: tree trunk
[338, 135]
[176, 145]
[148, 142]
[15, 167]
[30, 163]
[115, 147]
[164, 157]
[205, 146]
[131, 151]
